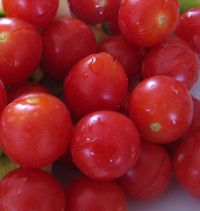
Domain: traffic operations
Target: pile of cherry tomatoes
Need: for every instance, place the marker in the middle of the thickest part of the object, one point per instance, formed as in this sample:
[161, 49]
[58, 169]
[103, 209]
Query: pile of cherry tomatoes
[102, 88]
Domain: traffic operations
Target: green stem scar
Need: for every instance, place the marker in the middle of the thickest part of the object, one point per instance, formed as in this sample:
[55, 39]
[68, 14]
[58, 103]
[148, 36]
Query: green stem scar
[155, 126]
[4, 36]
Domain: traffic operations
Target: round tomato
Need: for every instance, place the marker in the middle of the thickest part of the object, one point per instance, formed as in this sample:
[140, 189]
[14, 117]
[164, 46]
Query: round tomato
[150, 176]
[31, 189]
[161, 108]
[94, 11]
[172, 58]
[97, 82]
[148, 23]
[65, 41]
[105, 144]
[188, 28]
[37, 12]
[20, 50]
[87, 194]
[35, 129]
[187, 164]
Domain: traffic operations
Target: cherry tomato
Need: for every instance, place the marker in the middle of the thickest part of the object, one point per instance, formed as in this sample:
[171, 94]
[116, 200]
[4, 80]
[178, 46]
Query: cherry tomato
[28, 88]
[161, 108]
[128, 55]
[94, 11]
[105, 144]
[37, 12]
[35, 129]
[172, 58]
[97, 82]
[187, 164]
[188, 28]
[31, 189]
[148, 23]
[20, 50]
[87, 194]
[151, 175]
[66, 40]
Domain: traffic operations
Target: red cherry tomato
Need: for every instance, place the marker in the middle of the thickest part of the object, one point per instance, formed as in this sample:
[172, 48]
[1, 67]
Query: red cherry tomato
[128, 55]
[97, 82]
[35, 129]
[151, 175]
[148, 23]
[31, 189]
[105, 145]
[187, 164]
[162, 109]
[20, 50]
[37, 12]
[28, 88]
[172, 58]
[94, 11]
[87, 194]
[65, 42]
[188, 28]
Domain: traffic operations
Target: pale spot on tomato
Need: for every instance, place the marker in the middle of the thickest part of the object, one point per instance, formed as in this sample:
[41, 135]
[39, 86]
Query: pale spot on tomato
[155, 126]
[161, 20]
[32, 100]
[180, 157]
[102, 3]
[4, 36]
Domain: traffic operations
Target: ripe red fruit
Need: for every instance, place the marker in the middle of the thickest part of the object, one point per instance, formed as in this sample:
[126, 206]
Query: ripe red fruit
[161, 108]
[148, 23]
[97, 82]
[105, 144]
[31, 189]
[150, 176]
[35, 129]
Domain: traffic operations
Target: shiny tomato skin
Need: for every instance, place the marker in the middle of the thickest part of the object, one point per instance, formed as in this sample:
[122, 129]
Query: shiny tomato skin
[157, 106]
[31, 189]
[148, 23]
[65, 41]
[105, 144]
[28, 88]
[87, 194]
[35, 129]
[187, 164]
[95, 11]
[188, 28]
[37, 12]
[97, 82]
[150, 176]
[174, 58]
[128, 55]
[20, 50]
